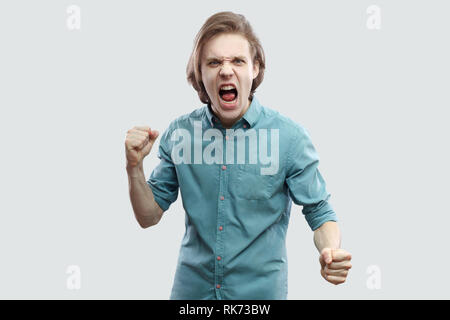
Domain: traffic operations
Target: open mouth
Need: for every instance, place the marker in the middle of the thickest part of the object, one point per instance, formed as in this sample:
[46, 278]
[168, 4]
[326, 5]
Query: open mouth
[228, 94]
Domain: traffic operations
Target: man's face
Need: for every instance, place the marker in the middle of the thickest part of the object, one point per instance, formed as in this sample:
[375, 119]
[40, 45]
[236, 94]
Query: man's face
[227, 74]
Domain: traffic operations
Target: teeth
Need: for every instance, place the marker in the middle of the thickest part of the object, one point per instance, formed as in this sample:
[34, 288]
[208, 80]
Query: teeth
[227, 87]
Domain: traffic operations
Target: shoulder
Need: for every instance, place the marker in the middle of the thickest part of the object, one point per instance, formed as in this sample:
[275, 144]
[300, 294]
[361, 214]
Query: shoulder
[286, 125]
[185, 121]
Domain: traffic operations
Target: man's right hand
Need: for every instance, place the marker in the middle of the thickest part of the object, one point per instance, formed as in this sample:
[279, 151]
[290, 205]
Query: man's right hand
[138, 143]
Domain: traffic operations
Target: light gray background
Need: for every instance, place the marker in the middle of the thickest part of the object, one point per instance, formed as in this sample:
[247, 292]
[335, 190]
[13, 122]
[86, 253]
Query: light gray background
[374, 101]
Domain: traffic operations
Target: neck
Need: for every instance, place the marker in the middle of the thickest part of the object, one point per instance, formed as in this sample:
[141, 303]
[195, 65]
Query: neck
[228, 123]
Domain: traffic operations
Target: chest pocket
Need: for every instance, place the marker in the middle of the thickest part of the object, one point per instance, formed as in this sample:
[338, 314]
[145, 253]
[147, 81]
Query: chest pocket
[249, 183]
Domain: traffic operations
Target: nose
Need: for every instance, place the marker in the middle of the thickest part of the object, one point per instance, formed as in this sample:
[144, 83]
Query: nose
[226, 70]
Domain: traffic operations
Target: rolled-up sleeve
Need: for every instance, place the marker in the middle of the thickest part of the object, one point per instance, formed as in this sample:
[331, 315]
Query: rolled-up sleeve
[305, 183]
[163, 180]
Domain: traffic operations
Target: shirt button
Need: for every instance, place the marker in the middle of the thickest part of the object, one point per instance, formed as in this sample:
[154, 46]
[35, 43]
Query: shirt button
[224, 167]
[222, 197]
[220, 228]
[219, 258]
[226, 138]
[218, 286]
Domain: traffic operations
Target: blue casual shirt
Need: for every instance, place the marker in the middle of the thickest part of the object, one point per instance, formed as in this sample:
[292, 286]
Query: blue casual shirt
[236, 217]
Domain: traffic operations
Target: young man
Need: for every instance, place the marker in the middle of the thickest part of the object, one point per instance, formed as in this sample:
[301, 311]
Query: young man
[239, 166]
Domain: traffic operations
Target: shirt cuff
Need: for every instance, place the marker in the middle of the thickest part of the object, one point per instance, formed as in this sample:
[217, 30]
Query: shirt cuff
[318, 214]
[163, 204]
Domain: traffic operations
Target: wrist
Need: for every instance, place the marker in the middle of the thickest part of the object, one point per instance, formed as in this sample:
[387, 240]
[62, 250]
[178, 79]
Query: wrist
[135, 171]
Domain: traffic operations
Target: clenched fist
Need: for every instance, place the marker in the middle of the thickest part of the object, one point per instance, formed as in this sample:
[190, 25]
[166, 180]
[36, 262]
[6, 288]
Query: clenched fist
[335, 264]
[138, 143]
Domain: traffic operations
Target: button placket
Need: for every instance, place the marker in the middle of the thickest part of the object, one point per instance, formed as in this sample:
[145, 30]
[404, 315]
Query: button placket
[221, 211]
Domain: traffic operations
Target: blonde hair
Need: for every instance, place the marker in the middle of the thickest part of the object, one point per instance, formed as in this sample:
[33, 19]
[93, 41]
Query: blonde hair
[219, 23]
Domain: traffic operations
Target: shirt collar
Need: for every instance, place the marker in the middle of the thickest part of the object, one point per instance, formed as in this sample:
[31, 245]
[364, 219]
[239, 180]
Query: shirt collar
[210, 115]
[251, 115]
[253, 112]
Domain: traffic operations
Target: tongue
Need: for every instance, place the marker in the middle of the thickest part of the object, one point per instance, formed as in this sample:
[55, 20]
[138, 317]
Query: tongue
[228, 96]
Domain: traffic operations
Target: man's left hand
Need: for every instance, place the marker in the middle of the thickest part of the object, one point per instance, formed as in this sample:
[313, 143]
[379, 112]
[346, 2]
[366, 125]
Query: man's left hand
[335, 264]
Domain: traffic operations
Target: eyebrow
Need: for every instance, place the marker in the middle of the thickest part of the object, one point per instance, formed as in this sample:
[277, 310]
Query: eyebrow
[220, 59]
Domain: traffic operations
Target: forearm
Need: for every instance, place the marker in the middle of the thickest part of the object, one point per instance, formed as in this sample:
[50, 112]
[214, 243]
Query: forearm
[146, 210]
[327, 236]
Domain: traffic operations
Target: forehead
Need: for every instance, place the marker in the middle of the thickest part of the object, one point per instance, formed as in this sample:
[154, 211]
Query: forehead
[226, 45]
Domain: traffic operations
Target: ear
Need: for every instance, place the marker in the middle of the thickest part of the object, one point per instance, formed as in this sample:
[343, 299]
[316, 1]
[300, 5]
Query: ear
[255, 69]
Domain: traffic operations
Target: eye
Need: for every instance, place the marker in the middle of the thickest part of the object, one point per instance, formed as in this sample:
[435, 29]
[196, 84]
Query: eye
[238, 61]
[213, 63]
